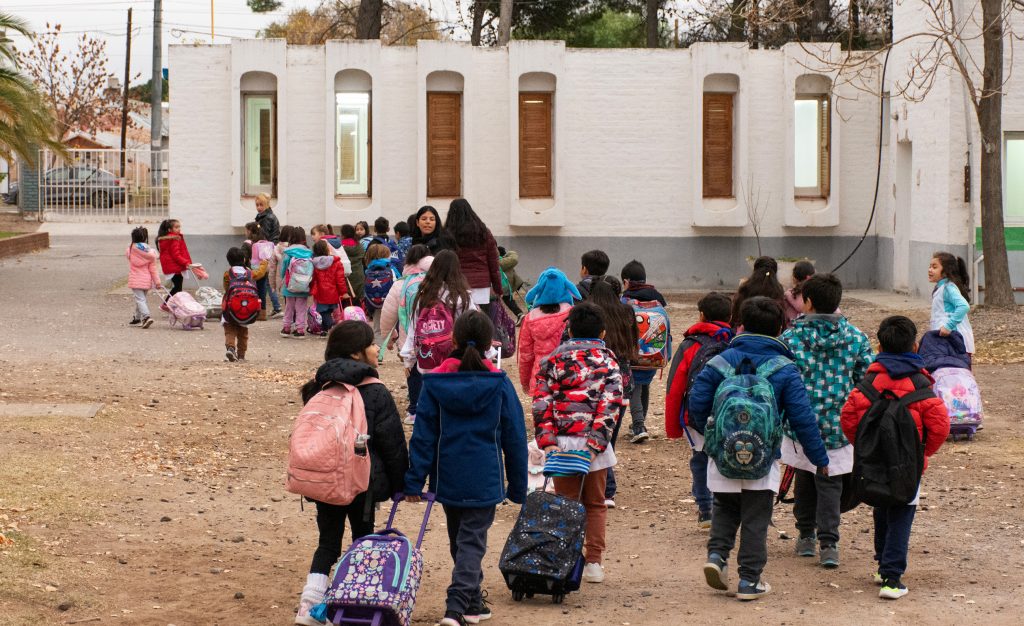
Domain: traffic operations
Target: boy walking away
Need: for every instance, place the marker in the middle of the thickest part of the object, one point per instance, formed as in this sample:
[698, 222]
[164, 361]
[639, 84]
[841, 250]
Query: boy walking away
[241, 305]
[655, 338]
[833, 356]
[329, 286]
[867, 418]
[753, 387]
[402, 243]
[382, 234]
[705, 340]
[594, 265]
[576, 403]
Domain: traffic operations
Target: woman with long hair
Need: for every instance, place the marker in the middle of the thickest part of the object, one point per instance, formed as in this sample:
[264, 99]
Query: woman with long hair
[427, 229]
[477, 250]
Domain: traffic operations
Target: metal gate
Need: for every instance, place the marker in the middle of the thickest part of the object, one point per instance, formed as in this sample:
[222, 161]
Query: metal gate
[103, 185]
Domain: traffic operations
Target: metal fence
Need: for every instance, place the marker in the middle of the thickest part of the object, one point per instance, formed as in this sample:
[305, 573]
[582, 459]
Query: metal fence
[103, 185]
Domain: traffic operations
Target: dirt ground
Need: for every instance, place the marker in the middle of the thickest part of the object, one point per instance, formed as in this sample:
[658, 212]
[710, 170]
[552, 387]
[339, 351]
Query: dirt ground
[168, 506]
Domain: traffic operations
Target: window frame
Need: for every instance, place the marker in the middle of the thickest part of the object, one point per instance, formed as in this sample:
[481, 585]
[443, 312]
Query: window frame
[432, 191]
[705, 192]
[368, 192]
[524, 176]
[1008, 136]
[270, 189]
[823, 149]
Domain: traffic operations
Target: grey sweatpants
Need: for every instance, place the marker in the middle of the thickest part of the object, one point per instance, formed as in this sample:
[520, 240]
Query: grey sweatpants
[750, 512]
[141, 307]
[467, 541]
[817, 505]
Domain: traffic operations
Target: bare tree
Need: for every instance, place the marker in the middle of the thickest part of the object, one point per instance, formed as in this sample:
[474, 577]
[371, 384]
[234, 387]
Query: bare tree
[756, 209]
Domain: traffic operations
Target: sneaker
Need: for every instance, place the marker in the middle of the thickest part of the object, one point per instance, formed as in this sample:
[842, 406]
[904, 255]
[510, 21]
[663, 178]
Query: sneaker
[231, 354]
[451, 618]
[877, 578]
[478, 611]
[146, 323]
[164, 307]
[716, 572]
[135, 322]
[298, 334]
[893, 589]
[828, 556]
[807, 546]
[593, 573]
[749, 590]
[609, 503]
[410, 419]
[285, 332]
[640, 437]
[275, 313]
[704, 520]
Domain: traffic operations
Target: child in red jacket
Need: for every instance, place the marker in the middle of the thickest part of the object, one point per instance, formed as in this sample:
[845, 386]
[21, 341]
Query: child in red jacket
[174, 257]
[893, 370]
[328, 286]
[705, 339]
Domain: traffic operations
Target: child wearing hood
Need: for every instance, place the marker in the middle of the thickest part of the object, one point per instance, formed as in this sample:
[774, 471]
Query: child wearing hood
[354, 251]
[294, 301]
[470, 440]
[329, 286]
[324, 231]
[833, 355]
[550, 301]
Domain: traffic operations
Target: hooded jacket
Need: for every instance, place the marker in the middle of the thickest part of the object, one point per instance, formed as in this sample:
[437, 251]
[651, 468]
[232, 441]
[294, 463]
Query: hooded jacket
[833, 355]
[578, 393]
[679, 373]
[174, 256]
[643, 292]
[296, 251]
[790, 393]
[893, 372]
[480, 264]
[938, 351]
[539, 335]
[268, 222]
[389, 457]
[469, 440]
[357, 277]
[584, 286]
[389, 311]
[328, 286]
[508, 264]
[142, 272]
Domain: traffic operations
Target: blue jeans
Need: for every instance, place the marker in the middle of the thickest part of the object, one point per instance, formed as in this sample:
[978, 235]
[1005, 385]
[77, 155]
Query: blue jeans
[699, 488]
[262, 287]
[414, 383]
[326, 317]
[892, 538]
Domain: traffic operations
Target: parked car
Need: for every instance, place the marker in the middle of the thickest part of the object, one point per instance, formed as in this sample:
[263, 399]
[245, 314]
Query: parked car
[11, 197]
[81, 185]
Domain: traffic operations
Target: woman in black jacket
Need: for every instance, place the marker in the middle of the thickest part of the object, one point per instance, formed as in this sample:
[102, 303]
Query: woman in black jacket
[351, 358]
[427, 230]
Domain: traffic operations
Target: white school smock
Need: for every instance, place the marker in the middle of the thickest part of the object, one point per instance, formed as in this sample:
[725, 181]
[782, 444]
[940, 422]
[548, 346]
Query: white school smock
[720, 484]
[840, 460]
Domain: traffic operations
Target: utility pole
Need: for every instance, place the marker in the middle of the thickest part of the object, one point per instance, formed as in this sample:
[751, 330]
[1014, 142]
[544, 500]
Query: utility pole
[504, 22]
[157, 98]
[124, 98]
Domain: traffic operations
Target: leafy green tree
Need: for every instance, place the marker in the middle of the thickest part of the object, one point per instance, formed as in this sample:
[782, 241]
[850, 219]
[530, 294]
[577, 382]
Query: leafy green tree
[25, 121]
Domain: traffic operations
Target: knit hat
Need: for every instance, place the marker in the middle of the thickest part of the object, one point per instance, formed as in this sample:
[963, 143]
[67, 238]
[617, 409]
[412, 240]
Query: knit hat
[553, 287]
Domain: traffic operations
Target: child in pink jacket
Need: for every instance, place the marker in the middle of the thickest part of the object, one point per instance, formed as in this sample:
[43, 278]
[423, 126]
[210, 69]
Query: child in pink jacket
[550, 301]
[142, 275]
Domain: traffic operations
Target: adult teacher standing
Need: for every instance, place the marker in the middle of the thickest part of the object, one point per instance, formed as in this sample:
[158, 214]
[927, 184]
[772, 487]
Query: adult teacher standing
[427, 230]
[477, 250]
[266, 219]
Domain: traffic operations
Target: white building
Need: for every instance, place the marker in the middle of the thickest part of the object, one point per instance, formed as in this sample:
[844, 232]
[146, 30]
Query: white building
[648, 154]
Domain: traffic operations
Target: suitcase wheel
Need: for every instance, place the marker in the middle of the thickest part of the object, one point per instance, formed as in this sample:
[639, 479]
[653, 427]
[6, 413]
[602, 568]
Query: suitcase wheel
[558, 598]
[518, 595]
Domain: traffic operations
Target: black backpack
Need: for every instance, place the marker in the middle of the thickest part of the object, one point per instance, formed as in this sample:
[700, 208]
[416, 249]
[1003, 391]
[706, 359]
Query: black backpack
[888, 452]
[709, 349]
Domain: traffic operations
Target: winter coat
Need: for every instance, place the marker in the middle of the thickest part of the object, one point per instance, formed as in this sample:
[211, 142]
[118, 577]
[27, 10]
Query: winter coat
[357, 277]
[833, 355]
[174, 257]
[275, 266]
[480, 264]
[469, 440]
[142, 272]
[508, 265]
[679, 373]
[578, 393]
[584, 286]
[292, 252]
[539, 335]
[893, 372]
[269, 224]
[938, 351]
[434, 241]
[389, 311]
[258, 273]
[790, 393]
[328, 286]
[389, 456]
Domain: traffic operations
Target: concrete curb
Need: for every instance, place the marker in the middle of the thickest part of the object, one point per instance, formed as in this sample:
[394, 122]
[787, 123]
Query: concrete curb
[23, 244]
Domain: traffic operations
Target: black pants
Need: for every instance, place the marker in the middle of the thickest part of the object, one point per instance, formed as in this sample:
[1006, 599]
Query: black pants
[177, 281]
[892, 538]
[330, 520]
[467, 540]
[512, 305]
[817, 505]
[750, 512]
[611, 487]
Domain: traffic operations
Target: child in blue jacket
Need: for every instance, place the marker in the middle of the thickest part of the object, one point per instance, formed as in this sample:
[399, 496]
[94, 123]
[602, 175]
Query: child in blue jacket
[748, 503]
[468, 421]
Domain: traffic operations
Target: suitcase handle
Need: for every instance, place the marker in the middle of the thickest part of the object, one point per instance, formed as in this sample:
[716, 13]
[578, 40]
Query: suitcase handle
[398, 497]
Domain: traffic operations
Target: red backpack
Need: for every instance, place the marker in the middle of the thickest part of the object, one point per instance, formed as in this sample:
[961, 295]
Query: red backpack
[242, 300]
[432, 336]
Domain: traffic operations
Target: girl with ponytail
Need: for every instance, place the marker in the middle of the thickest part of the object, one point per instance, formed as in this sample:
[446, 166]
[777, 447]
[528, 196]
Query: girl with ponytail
[951, 297]
[763, 281]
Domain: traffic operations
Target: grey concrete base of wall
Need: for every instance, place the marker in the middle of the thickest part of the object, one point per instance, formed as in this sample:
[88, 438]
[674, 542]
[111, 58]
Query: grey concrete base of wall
[23, 244]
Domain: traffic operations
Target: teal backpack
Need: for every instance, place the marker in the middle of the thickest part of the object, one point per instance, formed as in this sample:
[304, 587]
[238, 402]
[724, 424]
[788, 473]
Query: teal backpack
[744, 430]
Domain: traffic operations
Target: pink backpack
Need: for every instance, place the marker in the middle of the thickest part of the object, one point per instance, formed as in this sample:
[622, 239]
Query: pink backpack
[262, 251]
[186, 311]
[432, 336]
[328, 459]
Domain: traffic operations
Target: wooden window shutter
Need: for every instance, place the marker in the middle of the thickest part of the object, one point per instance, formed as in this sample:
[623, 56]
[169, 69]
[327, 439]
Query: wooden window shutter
[717, 154]
[444, 154]
[824, 145]
[535, 145]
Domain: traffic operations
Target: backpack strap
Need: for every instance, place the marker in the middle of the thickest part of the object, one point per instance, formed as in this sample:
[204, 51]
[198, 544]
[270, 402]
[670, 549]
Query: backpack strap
[867, 387]
[922, 390]
[772, 366]
[722, 366]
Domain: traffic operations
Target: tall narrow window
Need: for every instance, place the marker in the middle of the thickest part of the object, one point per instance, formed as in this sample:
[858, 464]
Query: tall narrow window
[717, 153]
[811, 150]
[352, 144]
[444, 150]
[1014, 177]
[260, 144]
[535, 145]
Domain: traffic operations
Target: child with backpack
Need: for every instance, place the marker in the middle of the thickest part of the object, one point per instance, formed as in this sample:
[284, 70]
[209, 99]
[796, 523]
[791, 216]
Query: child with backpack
[739, 402]
[511, 283]
[174, 256]
[833, 355]
[550, 301]
[296, 274]
[470, 440]
[329, 286]
[350, 362]
[576, 405]
[703, 341]
[262, 252]
[951, 298]
[240, 307]
[593, 265]
[355, 253]
[379, 277]
[402, 243]
[655, 337]
[921, 418]
[142, 275]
